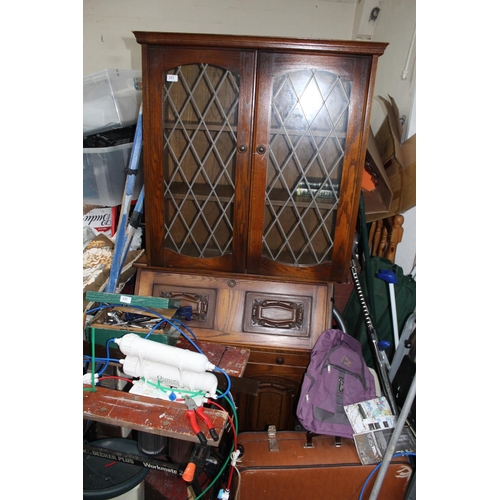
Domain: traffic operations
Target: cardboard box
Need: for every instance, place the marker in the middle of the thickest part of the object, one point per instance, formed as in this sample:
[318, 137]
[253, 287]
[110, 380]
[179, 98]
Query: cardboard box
[389, 136]
[397, 190]
[378, 200]
[403, 179]
[101, 219]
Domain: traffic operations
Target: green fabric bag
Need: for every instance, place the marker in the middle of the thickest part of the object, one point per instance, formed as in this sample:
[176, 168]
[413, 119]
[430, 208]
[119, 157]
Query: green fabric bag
[405, 292]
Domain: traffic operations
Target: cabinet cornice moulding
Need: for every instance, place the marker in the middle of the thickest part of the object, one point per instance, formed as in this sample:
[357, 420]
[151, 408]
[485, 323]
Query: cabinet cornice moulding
[260, 42]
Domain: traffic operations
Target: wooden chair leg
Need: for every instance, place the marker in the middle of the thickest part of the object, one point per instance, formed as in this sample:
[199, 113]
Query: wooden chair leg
[383, 242]
[395, 237]
[384, 237]
[376, 237]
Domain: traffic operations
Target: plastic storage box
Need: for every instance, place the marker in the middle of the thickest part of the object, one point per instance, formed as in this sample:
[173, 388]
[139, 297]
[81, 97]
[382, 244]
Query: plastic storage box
[111, 99]
[106, 159]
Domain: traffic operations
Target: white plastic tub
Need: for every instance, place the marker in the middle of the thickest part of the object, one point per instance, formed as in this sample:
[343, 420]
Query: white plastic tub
[111, 99]
[105, 175]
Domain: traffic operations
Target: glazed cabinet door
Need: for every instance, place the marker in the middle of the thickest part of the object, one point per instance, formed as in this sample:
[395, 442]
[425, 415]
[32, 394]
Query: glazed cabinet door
[253, 152]
[307, 163]
[197, 141]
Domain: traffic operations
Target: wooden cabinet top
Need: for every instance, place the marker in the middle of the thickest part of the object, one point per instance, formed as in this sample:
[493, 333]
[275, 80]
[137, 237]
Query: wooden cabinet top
[254, 149]
[260, 42]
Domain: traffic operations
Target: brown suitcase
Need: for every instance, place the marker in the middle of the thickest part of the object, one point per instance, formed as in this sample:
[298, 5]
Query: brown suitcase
[323, 471]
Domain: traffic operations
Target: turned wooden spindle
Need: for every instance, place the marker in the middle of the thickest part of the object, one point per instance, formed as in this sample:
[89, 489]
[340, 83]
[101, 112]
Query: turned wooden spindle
[383, 242]
[395, 237]
[376, 237]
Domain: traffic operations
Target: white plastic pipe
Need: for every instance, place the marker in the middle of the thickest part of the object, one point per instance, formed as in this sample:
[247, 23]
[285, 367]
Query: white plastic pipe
[390, 278]
[395, 330]
[134, 345]
[170, 376]
[404, 74]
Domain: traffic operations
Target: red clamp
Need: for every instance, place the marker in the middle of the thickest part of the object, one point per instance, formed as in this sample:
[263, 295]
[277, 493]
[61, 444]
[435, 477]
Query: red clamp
[194, 411]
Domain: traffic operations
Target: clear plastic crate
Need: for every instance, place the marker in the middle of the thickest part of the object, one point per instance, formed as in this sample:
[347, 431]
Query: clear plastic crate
[105, 168]
[111, 99]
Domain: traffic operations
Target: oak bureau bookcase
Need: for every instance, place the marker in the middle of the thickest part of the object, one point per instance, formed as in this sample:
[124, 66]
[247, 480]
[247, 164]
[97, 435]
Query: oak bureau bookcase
[253, 155]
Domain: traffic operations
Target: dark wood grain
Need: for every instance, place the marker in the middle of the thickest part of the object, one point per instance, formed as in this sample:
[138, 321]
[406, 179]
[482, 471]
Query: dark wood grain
[257, 60]
[141, 413]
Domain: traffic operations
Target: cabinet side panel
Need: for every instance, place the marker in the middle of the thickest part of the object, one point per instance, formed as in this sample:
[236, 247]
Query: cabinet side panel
[355, 153]
[152, 156]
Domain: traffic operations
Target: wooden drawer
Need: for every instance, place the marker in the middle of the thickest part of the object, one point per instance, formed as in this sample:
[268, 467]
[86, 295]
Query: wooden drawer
[278, 362]
[246, 309]
[279, 358]
[258, 371]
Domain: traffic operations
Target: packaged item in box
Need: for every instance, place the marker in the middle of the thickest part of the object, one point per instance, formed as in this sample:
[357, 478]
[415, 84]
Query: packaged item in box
[100, 219]
[111, 99]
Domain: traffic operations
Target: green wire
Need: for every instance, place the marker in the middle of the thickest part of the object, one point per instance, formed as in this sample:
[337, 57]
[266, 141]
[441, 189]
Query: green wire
[165, 389]
[235, 415]
[93, 389]
[223, 468]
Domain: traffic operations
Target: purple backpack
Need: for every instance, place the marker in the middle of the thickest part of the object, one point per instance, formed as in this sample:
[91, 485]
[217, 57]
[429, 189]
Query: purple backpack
[337, 375]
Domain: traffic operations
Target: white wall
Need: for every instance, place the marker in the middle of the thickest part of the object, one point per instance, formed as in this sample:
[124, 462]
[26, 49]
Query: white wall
[108, 42]
[396, 25]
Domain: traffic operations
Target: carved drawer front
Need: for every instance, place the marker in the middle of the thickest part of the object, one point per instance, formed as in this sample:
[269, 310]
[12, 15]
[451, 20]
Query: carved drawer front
[201, 300]
[249, 310]
[277, 314]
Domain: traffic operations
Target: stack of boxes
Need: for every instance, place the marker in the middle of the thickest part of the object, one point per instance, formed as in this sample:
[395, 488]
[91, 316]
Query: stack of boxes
[111, 103]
